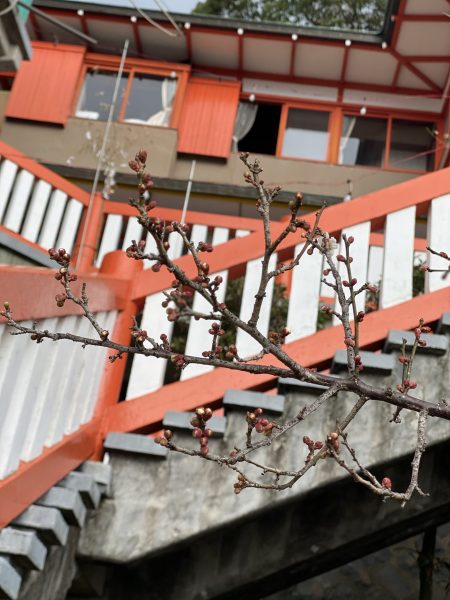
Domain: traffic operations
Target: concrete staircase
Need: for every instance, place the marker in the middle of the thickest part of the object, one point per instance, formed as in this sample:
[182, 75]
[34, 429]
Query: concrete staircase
[37, 550]
[162, 501]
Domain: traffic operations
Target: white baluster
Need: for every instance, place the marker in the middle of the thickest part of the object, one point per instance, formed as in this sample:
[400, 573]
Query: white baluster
[69, 364]
[15, 401]
[304, 295]
[8, 171]
[147, 373]
[359, 250]
[52, 220]
[69, 225]
[438, 237]
[97, 369]
[110, 238]
[19, 201]
[198, 338]
[36, 210]
[245, 344]
[399, 233]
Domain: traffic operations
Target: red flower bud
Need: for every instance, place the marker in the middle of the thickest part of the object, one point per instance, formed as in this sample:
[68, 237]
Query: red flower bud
[386, 483]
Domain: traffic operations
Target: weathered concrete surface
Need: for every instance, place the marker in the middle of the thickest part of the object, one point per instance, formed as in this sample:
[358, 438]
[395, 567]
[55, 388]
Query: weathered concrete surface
[54, 581]
[157, 504]
[292, 541]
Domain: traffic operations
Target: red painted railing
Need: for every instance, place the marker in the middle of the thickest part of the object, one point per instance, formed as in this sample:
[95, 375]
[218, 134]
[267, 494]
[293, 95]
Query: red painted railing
[123, 286]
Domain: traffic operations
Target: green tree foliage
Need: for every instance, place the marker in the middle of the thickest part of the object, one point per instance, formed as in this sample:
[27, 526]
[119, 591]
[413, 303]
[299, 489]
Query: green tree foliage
[365, 15]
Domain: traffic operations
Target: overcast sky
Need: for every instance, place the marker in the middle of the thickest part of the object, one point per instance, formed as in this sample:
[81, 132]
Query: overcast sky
[180, 6]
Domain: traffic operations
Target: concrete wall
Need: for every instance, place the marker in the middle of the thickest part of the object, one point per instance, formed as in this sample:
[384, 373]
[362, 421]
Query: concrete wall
[76, 145]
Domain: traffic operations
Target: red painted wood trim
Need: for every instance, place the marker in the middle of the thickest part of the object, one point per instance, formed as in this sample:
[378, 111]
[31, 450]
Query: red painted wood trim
[147, 412]
[15, 156]
[22, 240]
[35, 478]
[31, 292]
[372, 207]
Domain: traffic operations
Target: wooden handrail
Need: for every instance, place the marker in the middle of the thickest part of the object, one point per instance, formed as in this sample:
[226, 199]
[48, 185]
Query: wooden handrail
[31, 292]
[41, 172]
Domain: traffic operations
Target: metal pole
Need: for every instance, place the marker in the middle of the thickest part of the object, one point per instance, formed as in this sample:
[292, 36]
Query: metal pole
[102, 150]
[188, 191]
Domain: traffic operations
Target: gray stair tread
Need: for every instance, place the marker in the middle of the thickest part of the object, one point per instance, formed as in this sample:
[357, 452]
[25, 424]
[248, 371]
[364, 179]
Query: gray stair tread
[133, 443]
[444, 323]
[10, 580]
[85, 485]
[68, 502]
[23, 547]
[48, 523]
[381, 364]
[182, 420]
[252, 400]
[101, 472]
[289, 384]
[436, 344]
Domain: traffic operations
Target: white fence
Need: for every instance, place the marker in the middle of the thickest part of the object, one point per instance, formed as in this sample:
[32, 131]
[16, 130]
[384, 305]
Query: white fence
[47, 390]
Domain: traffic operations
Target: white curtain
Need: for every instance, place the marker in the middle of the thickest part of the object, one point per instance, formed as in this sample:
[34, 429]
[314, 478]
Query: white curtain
[245, 119]
[162, 117]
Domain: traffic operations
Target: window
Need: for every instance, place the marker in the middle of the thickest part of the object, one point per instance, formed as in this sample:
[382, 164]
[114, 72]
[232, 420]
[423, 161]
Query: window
[142, 98]
[412, 144]
[150, 100]
[256, 128]
[306, 134]
[363, 141]
[97, 95]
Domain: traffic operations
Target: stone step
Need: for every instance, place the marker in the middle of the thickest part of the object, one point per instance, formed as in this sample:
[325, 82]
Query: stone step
[250, 400]
[85, 485]
[444, 323]
[68, 502]
[101, 472]
[378, 364]
[10, 580]
[181, 421]
[134, 443]
[48, 523]
[436, 344]
[23, 548]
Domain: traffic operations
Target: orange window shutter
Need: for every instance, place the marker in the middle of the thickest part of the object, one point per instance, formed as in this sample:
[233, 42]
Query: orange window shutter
[44, 86]
[207, 117]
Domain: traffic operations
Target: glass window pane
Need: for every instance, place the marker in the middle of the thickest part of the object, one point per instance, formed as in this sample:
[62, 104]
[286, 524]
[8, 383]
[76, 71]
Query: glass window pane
[412, 144]
[150, 100]
[306, 134]
[97, 94]
[363, 141]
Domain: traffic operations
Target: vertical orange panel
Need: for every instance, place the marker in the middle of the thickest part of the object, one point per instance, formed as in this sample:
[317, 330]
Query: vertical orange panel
[44, 87]
[207, 117]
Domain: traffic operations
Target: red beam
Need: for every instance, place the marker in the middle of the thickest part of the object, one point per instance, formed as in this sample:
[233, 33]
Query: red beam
[147, 412]
[417, 72]
[35, 478]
